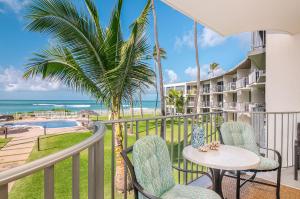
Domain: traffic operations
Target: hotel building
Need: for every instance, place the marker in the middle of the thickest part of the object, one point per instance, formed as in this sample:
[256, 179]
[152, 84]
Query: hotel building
[239, 90]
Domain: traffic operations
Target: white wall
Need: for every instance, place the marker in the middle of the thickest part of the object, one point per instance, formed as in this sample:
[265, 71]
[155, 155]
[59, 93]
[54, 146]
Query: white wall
[283, 72]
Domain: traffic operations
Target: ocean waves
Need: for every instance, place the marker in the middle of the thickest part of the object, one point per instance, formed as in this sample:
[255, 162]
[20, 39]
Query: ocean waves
[65, 105]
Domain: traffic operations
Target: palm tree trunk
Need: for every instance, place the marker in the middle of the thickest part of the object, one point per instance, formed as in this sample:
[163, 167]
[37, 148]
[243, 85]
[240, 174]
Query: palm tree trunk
[198, 67]
[141, 104]
[132, 114]
[156, 90]
[159, 67]
[119, 176]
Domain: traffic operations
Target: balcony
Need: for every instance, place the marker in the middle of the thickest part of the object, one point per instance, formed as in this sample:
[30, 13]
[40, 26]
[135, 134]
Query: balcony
[242, 83]
[230, 87]
[205, 90]
[191, 92]
[217, 105]
[257, 77]
[217, 89]
[271, 128]
[257, 107]
[230, 106]
[190, 103]
[205, 104]
[242, 107]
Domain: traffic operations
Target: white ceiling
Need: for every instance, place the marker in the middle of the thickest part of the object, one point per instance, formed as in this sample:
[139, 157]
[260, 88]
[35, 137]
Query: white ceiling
[229, 17]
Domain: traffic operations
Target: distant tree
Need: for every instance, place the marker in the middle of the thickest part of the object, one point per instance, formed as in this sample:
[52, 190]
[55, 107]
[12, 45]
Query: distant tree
[212, 67]
[198, 67]
[163, 55]
[176, 99]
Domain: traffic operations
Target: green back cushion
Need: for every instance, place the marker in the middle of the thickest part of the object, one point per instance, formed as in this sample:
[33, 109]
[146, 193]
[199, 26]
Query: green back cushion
[152, 165]
[239, 134]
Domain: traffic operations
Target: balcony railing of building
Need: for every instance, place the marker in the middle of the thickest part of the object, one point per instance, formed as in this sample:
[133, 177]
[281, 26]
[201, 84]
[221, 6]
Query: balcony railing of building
[217, 89]
[231, 86]
[258, 40]
[191, 92]
[274, 130]
[230, 106]
[242, 106]
[242, 83]
[205, 104]
[190, 103]
[217, 105]
[257, 76]
[257, 107]
[205, 90]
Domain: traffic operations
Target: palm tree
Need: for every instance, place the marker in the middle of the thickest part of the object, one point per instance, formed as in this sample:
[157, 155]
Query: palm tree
[163, 55]
[159, 67]
[176, 99]
[141, 101]
[212, 67]
[198, 67]
[92, 59]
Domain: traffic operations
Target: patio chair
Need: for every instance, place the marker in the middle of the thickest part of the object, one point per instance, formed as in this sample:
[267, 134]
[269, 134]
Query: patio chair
[297, 153]
[242, 135]
[151, 173]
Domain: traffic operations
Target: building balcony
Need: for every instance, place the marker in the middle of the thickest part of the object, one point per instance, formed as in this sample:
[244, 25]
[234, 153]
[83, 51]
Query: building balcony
[217, 89]
[190, 103]
[205, 90]
[99, 182]
[257, 77]
[230, 106]
[242, 107]
[191, 92]
[230, 87]
[242, 83]
[205, 104]
[257, 107]
[217, 105]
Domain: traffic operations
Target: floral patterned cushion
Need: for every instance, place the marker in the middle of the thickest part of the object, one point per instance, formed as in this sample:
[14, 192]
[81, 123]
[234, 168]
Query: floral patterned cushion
[267, 164]
[189, 192]
[152, 165]
[239, 134]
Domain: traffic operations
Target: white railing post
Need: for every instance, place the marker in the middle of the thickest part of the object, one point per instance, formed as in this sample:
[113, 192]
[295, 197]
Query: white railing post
[91, 173]
[99, 169]
[75, 176]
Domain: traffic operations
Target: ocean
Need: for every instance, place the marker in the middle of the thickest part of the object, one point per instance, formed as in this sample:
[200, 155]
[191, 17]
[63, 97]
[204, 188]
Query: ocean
[18, 106]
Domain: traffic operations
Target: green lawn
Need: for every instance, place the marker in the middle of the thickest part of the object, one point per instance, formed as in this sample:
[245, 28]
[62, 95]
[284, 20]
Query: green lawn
[3, 142]
[32, 186]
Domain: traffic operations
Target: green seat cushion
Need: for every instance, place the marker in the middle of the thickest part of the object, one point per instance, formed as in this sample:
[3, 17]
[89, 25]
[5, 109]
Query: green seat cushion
[267, 164]
[152, 165]
[189, 192]
[239, 134]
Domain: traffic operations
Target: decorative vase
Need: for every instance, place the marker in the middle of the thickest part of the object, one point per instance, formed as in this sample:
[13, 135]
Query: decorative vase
[198, 136]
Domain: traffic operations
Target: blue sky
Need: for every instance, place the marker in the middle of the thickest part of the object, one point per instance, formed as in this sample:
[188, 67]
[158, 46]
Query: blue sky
[175, 35]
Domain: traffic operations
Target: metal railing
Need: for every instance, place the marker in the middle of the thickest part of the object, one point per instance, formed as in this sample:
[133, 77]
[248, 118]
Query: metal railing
[275, 130]
[230, 106]
[242, 106]
[205, 104]
[95, 146]
[242, 83]
[231, 86]
[218, 89]
[255, 76]
[205, 90]
[258, 40]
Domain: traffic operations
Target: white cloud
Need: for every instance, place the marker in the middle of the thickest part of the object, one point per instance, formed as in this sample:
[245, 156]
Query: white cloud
[209, 38]
[186, 40]
[172, 76]
[11, 79]
[191, 71]
[204, 72]
[15, 5]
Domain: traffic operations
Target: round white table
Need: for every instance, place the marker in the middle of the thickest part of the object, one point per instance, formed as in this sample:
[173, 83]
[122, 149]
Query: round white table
[226, 158]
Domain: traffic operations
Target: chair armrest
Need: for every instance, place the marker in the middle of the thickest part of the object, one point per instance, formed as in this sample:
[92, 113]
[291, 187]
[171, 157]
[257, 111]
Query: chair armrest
[276, 152]
[192, 171]
[141, 190]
